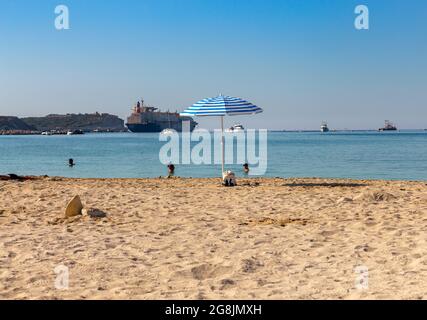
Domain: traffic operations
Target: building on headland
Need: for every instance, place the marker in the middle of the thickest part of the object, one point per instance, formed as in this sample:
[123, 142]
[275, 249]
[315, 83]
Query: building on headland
[150, 119]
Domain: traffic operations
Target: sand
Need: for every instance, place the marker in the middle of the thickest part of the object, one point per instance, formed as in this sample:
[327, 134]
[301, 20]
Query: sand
[194, 239]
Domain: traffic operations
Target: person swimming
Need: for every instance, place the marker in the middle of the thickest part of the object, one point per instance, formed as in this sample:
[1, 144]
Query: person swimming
[71, 163]
[171, 169]
[246, 168]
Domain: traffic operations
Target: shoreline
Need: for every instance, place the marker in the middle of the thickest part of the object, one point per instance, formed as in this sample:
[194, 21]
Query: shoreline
[217, 179]
[62, 133]
[191, 238]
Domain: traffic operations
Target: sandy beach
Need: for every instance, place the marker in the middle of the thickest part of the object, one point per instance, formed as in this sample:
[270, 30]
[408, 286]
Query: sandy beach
[194, 239]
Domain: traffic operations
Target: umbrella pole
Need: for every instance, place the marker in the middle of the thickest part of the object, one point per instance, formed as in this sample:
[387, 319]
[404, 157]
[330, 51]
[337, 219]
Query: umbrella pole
[222, 144]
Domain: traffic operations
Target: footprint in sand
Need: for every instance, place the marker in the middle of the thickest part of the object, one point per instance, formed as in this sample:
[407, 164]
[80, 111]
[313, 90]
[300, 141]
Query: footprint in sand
[227, 283]
[328, 233]
[363, 248]
[250, 265]
[206, 271]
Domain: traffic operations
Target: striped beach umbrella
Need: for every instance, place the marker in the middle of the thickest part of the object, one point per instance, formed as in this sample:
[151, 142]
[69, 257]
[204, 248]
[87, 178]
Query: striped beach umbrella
[221, 106]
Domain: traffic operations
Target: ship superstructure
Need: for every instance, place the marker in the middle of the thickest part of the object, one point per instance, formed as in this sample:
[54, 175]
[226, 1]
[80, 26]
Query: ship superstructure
[151, 119]
[388, 126]
[324, 127]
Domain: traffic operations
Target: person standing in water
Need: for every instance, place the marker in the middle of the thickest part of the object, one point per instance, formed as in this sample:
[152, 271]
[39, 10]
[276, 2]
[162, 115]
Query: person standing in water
[171, 169]
[71, 163]
[246, 168]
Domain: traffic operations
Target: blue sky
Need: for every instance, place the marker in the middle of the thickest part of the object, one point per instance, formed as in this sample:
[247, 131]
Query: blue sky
[302, 61]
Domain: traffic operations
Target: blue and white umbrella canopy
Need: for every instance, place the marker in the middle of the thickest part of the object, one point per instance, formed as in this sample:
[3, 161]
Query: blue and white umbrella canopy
[221, 106]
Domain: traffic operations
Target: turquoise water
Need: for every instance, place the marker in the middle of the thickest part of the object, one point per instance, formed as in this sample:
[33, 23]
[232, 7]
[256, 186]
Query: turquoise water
[362, 155]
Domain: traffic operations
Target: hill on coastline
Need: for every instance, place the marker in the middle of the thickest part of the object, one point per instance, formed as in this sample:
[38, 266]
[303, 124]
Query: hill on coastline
[14, 123]
[84, 122]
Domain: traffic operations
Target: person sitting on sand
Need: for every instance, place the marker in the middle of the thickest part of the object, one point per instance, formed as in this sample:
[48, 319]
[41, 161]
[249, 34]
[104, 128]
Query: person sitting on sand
[71, 163]
[171, 169]
[246, 168]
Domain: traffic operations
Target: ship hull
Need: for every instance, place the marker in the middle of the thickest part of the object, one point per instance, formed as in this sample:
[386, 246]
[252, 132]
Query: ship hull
[143, 127]
[155, 127]
[150, 119]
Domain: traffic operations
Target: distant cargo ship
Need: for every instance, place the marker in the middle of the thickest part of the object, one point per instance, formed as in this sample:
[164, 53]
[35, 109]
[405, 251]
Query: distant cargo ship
[388, 126]
[150, 119]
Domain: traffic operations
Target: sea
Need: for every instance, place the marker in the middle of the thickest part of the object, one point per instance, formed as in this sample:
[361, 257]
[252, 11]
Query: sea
[360, 155]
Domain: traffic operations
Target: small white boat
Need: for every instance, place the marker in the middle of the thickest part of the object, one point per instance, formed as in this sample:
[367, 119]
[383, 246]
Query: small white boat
[235, 128]
[71, 133]
[167, 132]
[324, 127]
[46, 133]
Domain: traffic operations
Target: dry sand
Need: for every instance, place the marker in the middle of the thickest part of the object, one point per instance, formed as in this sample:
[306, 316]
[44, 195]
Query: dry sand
[193, 238]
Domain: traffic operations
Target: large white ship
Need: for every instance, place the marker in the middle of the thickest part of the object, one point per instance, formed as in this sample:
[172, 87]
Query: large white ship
[150, 119]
